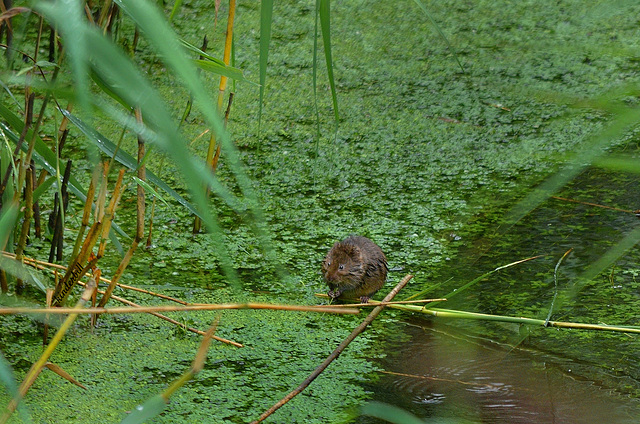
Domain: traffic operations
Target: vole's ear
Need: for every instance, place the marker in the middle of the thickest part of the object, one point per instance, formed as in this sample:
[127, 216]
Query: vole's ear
[354, 253]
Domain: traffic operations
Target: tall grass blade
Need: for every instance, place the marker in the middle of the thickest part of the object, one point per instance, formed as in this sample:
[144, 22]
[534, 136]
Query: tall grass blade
[324, 13]
[482, 277]
[619, 164]
[606, 260]
[437, 27]
[174, 9]
[161, 37]
[591, 149]
[8, 217]
[9, 382]
[226, 71]
[315, 79]
[21, 272]
[266, 14]
[142, 413]
[70, 18]
[390, 413]
[555, 284]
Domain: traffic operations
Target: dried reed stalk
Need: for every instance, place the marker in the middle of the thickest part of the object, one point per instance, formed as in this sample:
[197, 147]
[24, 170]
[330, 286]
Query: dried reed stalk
[46, 265]
[359, 329]
[213, 152]
[86, 213]
[140, 209]
[196, 307]
[100, 227]
[172, 321]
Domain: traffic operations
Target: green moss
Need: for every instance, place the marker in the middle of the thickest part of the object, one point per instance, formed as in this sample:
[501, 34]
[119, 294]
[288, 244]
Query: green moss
[425, 160]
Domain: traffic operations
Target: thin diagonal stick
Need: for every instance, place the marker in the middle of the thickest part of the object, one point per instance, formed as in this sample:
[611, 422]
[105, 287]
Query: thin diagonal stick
[359, 329]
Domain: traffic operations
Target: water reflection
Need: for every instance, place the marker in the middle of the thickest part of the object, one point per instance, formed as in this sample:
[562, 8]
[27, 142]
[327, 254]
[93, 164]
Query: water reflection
[446, 373]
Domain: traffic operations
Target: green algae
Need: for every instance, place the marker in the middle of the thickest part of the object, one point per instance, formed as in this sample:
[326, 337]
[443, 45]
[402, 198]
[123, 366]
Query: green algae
[424, 155]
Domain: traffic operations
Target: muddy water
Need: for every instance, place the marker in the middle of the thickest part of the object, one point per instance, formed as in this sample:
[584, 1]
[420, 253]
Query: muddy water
[447, 373]
[503, 373]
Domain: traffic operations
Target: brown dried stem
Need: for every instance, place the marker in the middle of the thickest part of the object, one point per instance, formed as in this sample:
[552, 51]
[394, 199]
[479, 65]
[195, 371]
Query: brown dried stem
[139, 223]
[86, 213]
[28, 214]
[213, 152]
[44, 265]
[359, 329]
[110, 213]
[172, 321]
[193, 307]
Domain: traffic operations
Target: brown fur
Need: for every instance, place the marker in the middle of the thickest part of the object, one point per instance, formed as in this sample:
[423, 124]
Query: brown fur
[354, 268]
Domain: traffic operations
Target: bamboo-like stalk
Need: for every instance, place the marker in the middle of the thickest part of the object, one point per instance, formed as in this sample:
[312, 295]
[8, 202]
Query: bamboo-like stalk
[28, 214]
[359, 329]
[375, 303]
[140, 208]
[213, 152]
[110, 213]
[171, 320]
[75, 271]
[102, 194]
[45, 265]
[37, 366]
[449, 313]
[16, 198]
[104, 12]
[86, 213]
[151, 216]
[193, 307]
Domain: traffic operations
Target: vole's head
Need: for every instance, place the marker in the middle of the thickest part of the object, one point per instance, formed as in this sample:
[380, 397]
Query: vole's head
[343, 265]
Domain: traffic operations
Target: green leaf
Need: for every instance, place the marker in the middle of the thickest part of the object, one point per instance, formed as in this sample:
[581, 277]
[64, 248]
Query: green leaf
[325, 25]
[19, 270]
[69, 16]
[44, 157]
[216, 68]
[621, 164]
[109, 148]
[8, 380]
[162, 38]
[151, 408]
[174, 10]
[437, 27]
[390, 413]
[150, 189]
[266, 13]
[8, 217]
[587, 153]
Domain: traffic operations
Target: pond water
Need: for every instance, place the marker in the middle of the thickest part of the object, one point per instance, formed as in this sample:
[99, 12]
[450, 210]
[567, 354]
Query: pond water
[426, 162]
[444, 372]
[504, 373]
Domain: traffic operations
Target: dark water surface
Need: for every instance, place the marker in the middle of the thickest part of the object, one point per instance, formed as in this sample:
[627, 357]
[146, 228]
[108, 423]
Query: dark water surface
[506, 373]
[446, 373]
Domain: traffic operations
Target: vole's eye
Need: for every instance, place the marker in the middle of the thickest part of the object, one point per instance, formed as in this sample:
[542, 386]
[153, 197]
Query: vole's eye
[341, 266]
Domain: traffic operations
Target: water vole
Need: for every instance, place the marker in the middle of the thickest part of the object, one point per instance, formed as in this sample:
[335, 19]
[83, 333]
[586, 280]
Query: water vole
[355, 267]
